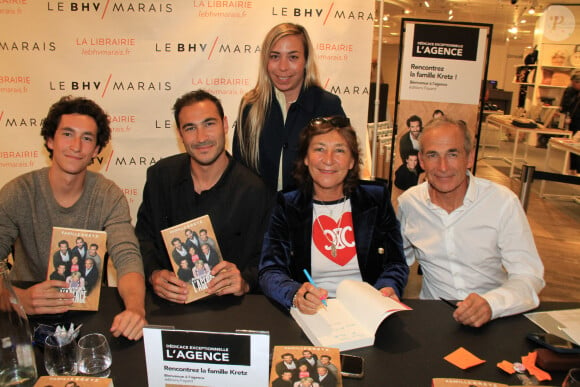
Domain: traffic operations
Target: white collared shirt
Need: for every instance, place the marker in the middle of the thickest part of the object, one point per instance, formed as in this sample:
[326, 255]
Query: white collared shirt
[414, 141]
[485, 246]
[64, 257]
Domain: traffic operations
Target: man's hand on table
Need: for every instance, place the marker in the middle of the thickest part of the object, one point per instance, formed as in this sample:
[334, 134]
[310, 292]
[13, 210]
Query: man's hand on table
[129, 323]
[473, 311]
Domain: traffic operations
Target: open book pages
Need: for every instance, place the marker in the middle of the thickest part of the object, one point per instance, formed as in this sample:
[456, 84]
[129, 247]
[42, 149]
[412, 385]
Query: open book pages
[348, 322]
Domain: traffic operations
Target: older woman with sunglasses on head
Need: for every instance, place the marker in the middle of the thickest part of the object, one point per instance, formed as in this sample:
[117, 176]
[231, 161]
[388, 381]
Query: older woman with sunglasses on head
[335, 226]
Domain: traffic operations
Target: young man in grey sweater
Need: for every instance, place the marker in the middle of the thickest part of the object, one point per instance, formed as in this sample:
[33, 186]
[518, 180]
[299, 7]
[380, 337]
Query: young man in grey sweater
[66, 194]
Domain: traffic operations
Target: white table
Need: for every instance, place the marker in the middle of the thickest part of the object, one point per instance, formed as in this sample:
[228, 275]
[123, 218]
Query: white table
[486, 131]
[568, 146]
[505, 122]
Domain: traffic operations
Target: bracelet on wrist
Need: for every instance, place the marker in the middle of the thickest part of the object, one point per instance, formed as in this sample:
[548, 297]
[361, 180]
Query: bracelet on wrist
[294, 300]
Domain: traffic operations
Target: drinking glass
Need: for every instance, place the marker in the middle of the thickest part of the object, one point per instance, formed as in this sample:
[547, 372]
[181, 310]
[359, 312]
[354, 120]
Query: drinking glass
[60, 359]
[94, 356]
[573, 378]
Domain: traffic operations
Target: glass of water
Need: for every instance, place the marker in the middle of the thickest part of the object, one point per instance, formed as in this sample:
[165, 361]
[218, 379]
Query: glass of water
[60, 359]
[94, 356]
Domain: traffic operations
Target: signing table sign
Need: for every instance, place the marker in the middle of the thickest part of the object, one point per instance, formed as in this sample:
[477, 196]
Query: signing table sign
[197, 358]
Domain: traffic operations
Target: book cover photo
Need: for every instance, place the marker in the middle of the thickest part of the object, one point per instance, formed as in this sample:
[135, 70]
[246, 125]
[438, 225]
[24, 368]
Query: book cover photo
[453, 382]
[305, 366]
[193, 251]
[73, 381]
[77, 257]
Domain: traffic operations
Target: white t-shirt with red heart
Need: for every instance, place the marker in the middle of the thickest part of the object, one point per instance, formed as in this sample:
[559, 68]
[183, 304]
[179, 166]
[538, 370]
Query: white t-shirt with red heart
[332, 222]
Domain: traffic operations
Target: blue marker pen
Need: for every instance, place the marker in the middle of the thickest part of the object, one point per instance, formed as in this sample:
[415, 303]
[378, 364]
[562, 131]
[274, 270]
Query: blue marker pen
[307, 274]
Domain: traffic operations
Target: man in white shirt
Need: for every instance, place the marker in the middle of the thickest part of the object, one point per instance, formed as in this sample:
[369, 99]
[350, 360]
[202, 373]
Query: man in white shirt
[470, 235]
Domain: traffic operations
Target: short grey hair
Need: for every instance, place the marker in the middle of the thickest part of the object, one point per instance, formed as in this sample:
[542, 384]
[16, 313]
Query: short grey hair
[446, 121]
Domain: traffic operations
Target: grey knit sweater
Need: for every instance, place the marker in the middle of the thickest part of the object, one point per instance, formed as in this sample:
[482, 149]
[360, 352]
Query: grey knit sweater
[29, 211]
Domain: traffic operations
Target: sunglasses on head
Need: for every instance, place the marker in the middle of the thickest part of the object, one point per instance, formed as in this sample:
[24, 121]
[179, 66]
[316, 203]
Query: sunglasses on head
[336, 121]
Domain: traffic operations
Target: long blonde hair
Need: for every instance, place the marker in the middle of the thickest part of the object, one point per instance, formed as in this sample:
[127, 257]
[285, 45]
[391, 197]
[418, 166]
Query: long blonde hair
[260, 97]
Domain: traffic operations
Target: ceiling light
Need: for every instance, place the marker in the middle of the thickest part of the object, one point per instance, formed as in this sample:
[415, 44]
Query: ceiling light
[523, 21]
[426, 3]
[450, 17]
[531, 11]
[407, 11]
[513, 30]
[451, 12]
[386, 18]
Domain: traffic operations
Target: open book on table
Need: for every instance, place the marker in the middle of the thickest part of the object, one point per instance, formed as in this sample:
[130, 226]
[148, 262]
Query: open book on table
[351, 319]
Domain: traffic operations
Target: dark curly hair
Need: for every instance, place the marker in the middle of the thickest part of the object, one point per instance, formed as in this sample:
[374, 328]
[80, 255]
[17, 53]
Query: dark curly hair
[78, 105]
[322, 126]
[415, 118]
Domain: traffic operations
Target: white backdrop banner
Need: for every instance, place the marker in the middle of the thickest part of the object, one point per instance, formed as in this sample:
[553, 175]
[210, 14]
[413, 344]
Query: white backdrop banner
[136, 58]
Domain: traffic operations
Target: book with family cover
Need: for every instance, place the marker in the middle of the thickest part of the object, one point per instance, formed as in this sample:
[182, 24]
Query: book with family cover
[351, 319]
[193, 251]
[305, 365]
[73, 381]
[453, 382]
[77, 257]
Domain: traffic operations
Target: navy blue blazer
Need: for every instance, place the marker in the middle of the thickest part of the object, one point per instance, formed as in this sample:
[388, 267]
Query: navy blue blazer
[287, 242]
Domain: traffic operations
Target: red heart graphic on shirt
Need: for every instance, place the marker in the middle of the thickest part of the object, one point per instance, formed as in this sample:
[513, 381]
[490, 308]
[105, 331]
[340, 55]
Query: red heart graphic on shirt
[325, 230]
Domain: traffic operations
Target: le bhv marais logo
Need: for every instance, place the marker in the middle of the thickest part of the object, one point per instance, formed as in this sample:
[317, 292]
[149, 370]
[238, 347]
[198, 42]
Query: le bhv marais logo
[103, 8]
[110, 84]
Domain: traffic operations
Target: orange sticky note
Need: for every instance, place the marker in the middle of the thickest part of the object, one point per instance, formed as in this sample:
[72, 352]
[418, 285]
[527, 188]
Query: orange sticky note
[529, 362]
[506, 366]
[463, 359]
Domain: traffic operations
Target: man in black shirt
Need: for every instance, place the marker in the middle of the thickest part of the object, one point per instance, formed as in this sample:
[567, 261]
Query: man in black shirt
[90, 274]
[205, 180]
[59, 273]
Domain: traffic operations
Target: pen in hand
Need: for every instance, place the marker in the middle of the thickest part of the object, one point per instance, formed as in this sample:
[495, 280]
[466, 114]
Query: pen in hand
[448, 302]
[314, 284]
